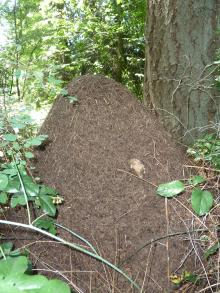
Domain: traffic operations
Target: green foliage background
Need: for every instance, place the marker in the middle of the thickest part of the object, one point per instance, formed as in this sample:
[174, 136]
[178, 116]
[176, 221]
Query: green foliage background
[52, 41]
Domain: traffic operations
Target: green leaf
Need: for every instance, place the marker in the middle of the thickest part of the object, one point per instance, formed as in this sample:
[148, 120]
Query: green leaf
[170, 189]
[202, 201]
[190, 277]
[29, 155]
[196, 180]
[16, 146]
[36, 141]
[7, 248]
[13, 185]
[3, 181]
[47, 205]
[212, 250]
[14, 279]
[18, 200]
[46, 190]
[21, 121]
[11, 172]
[3, 198]
[72, 99]
[46, 224]
[31, 188]
[55, 286]
[10, 137]
[13, 266]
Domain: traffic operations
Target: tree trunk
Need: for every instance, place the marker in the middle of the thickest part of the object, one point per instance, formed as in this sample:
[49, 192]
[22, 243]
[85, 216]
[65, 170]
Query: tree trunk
[181, 46]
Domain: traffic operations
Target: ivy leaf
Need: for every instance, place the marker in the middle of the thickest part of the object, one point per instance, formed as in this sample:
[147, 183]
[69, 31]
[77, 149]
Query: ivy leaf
[202, 201]
[47, 205]
[3, 198]
[195, 180]
[10, 137]
[3, 181]
[46, 224]
[6, 247]
[212, 250]
[170, 189]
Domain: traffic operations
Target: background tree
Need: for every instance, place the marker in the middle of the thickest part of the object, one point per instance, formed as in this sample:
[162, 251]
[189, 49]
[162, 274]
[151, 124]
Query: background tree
[181, 45]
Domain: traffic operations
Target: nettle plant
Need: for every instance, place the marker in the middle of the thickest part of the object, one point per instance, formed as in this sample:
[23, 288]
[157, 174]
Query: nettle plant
[18, 187]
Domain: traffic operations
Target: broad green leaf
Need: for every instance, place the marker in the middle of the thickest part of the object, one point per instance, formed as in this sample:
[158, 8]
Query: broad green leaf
[55, 286]
[29, 155]
[170, 189]
[3, 181]
[202, 201]
[13, 185]
[36, 141]
[21, 121]
[47, 205]
[212, 250]
[7, 248]
[18, 200]
[31, 188]
[196, 180]
[11, 172]
[46, 224]
[22, 283]
[13, 266]
[10, 137]
[46, 190]
[3, 197]
[13, 279]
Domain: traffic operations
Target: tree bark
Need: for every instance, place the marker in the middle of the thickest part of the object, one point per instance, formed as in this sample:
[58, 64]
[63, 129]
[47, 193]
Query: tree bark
[182, 40]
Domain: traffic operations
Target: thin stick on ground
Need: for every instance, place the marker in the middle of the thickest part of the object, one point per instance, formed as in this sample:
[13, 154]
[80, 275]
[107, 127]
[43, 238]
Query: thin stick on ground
[145, 273]
[167, 240]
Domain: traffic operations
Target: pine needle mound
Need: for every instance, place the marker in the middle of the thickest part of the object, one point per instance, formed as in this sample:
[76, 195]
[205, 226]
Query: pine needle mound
[87, 159]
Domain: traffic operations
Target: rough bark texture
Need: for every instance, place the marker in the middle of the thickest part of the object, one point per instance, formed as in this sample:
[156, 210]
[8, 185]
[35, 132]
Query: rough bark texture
[181, 44]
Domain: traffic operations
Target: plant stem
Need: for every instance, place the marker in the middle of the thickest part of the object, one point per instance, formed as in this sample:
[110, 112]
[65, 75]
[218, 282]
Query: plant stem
[23, 189]
[77, 236]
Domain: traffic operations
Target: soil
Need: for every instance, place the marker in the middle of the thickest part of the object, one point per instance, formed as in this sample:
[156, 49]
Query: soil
[87, 161]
